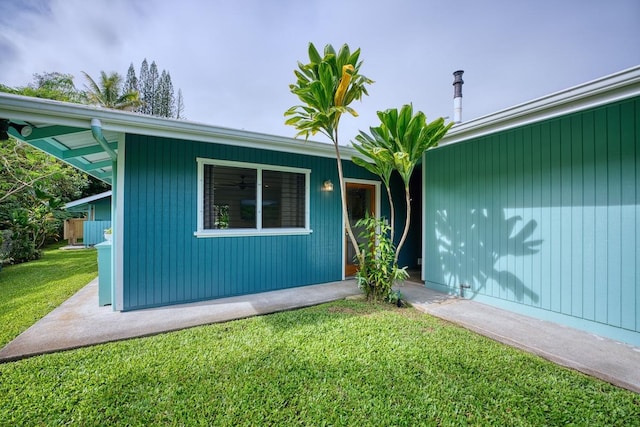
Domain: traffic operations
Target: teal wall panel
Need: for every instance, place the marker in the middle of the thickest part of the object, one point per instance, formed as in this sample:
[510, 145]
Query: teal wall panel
[164, 263]
[543, 217]
[93, 232]
[102, 209]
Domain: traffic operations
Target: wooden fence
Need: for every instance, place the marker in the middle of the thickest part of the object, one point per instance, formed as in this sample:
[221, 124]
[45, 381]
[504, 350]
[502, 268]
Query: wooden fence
[73, 230]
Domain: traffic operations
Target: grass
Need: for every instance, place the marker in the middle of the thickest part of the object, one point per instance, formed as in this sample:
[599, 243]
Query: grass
[344, 363]
[31, 290]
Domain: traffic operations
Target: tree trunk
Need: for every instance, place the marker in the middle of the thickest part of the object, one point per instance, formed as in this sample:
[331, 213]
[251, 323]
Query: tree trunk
[393, 212]
[406, 223]
[343, 198]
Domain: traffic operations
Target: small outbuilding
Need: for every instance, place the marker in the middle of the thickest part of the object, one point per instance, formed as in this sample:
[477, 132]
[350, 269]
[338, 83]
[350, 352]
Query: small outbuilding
[96, 217]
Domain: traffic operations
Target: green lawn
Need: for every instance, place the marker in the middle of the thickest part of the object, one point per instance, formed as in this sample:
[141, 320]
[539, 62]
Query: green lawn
[344, 363]
[29, 291]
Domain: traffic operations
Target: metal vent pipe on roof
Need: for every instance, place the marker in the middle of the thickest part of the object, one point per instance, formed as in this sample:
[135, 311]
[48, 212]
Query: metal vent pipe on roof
[457, 96]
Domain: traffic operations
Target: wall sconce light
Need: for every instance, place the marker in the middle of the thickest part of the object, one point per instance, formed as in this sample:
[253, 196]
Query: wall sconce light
[327, 185]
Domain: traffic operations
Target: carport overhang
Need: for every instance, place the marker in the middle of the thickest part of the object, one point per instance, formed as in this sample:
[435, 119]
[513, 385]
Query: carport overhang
[64, 131]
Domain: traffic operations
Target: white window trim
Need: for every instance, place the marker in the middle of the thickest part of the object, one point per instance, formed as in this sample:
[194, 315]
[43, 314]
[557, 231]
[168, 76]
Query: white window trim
[258, 231]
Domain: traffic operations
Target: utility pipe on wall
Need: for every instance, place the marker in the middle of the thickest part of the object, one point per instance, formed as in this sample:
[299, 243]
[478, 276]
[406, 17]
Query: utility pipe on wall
[96, 131]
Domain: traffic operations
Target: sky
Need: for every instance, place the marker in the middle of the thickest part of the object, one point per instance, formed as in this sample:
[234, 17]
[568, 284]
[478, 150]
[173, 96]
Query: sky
[234, 60]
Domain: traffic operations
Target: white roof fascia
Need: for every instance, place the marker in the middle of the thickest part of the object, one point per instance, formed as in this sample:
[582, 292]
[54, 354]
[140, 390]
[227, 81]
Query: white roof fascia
[37, 110]
[87, 199]
[615, 87]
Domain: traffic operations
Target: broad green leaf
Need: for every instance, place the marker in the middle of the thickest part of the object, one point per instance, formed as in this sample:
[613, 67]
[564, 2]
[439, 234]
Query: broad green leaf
[353, 59]
[343, 56]
[328, 51]
[389, 118]
[404, 117]
[314, 56]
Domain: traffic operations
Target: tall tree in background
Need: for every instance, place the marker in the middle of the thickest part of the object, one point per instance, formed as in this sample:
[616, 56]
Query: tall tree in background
[131, 81]
[142, 87]
[156, 95]
[180, 106]
[156, 91]
[164, 99]
[108, 93]
[150, 88]
[54, 85]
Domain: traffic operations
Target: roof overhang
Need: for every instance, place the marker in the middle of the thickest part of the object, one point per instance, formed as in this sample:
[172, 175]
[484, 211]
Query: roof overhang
[81, 205]
[615, 87]
[64, 130]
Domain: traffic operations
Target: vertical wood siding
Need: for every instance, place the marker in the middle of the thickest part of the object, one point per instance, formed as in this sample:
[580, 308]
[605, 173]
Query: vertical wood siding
[165, 264]
[543, 216]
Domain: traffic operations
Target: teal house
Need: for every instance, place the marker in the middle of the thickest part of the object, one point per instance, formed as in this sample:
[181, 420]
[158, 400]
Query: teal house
[201, 212]
[532, 209]
[536, 209]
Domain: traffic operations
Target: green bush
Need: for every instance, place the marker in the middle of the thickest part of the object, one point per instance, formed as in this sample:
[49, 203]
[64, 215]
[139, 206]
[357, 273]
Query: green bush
[5, 247]
[23, 246]
[378, 271]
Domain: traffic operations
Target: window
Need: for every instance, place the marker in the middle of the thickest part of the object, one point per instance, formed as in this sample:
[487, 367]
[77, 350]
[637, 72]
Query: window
[239, 199]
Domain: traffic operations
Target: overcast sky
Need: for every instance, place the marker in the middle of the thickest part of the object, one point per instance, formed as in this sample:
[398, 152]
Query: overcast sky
[234, 60]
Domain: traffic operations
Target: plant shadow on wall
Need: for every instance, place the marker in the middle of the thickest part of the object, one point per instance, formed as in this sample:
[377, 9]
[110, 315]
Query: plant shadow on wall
[476, 256]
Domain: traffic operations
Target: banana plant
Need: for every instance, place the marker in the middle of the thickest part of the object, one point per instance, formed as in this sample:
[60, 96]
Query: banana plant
[399, 142]
[327, 85]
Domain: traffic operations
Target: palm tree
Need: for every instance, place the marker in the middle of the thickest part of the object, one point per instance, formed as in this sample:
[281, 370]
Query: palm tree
[107, 93]
[398, 144]
[326, 86]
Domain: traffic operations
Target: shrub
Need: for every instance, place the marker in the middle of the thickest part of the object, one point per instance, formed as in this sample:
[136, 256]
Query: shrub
[378, 271]
[23, 231]
[5, 247]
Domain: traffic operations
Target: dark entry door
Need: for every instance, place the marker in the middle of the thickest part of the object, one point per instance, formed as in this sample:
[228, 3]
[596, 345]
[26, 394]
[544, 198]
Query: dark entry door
[361, 199]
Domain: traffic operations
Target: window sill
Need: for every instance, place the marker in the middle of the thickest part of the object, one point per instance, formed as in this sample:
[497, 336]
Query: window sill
[252, 232]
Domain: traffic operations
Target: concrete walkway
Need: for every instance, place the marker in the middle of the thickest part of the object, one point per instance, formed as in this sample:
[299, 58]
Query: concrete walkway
[80, 322]
[612, 361]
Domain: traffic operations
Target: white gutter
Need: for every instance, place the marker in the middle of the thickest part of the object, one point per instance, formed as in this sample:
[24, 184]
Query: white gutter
[38, 110]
